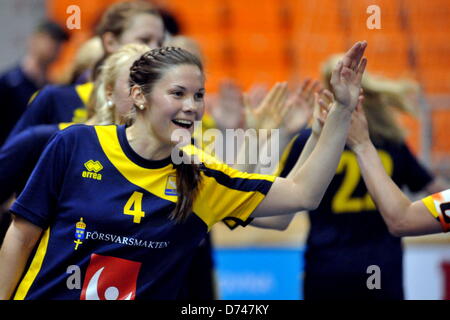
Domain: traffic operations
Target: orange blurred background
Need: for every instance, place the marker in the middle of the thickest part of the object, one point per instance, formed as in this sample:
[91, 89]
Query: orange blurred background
[276, 40]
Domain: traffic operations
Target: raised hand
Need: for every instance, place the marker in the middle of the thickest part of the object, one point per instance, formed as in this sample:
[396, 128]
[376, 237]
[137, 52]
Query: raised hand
[255, 95]
[323, 103]
[228, 112]
[347, 75]
[301, 105]
[271, 110]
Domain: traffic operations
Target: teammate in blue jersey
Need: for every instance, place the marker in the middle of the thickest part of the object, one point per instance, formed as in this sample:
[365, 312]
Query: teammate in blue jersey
[347, 234]
[18, 84]
[20, 154]
[122, 23]
[115, 200]
[17, 160]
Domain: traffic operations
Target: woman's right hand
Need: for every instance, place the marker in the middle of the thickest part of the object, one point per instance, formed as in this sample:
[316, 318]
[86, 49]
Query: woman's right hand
[347, 75]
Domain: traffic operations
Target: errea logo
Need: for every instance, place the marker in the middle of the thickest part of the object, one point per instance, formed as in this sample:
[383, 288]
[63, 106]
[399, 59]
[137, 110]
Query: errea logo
[93, 167]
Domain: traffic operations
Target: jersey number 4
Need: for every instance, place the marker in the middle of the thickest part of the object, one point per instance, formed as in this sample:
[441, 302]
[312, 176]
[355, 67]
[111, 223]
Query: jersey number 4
[133, 207]
[344, 201]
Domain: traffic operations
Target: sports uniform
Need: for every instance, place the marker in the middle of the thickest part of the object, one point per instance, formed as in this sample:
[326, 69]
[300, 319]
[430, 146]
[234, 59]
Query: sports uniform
[348, 234]
[16, 89]
[105, 212]
[55, 104]
[19, 156]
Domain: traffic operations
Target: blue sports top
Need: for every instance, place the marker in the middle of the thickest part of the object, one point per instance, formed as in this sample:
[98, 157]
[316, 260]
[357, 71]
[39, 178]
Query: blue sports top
[16, 90]
[105, 212]
[55, 104]
[19, 156]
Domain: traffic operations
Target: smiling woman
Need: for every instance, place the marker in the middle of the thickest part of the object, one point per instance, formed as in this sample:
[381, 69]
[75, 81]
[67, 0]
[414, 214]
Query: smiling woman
[144, 198]
[168, 86]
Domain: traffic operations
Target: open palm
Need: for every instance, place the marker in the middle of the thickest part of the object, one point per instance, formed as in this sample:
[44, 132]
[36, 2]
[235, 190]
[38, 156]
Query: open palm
[347, 75]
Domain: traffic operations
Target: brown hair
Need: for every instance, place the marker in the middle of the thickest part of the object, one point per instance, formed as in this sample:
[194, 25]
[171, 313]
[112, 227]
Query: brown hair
[145, 71]
[117, 18]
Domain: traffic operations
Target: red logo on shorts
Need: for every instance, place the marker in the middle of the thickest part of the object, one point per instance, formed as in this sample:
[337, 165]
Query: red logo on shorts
[109, 278]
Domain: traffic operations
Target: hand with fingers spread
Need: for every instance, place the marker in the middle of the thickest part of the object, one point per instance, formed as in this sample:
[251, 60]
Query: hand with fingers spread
[228, 112]
[271, 111]
[347, 75]
[255, 95]
[301, 106]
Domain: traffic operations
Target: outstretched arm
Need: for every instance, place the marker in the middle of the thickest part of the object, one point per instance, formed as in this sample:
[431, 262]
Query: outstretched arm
[321, 107]
[403, 217]
[305, 186]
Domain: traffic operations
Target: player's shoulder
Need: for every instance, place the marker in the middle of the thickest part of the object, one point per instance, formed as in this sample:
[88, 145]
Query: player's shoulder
[56, 89]
[40, 131]
[76, 131]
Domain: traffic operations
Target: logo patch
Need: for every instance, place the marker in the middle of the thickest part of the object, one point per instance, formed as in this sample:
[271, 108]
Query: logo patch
[93, 167]
[80, 228]
[110, 278]
[171, 186]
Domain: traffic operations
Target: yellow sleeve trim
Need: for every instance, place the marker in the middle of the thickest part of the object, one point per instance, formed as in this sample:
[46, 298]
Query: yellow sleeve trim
[429, 203]
[215, 164]
[32, 97]
[63, 125]
[34, 268]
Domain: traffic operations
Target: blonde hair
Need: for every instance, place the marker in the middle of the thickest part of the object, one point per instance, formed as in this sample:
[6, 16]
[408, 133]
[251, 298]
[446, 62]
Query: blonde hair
[107, 77]
[89, 53]
[383, 98]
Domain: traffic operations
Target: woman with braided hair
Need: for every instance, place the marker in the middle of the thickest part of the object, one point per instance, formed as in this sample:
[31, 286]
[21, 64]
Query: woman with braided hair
[125, 207]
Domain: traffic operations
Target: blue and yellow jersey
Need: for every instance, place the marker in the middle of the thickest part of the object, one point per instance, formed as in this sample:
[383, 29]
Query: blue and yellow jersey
[104, 211]
[55, 104]
[347, 233]
[438, 205]
[19, 156]
[15, 92]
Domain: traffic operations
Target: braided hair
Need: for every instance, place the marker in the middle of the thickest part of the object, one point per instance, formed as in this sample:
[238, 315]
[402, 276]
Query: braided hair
[145, 71]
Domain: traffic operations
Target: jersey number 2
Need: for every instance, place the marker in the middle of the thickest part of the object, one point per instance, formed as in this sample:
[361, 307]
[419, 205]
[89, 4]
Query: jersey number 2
[133, 207]
[343, 201]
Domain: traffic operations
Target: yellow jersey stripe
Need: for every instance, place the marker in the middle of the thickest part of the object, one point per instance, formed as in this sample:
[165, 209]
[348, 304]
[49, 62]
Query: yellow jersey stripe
[84, 91]
[32, 97]
[34, 268]
[63, 125]
[429, 203]
[214, 202]
[222, 194]
[214, 164]
[152, 180]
